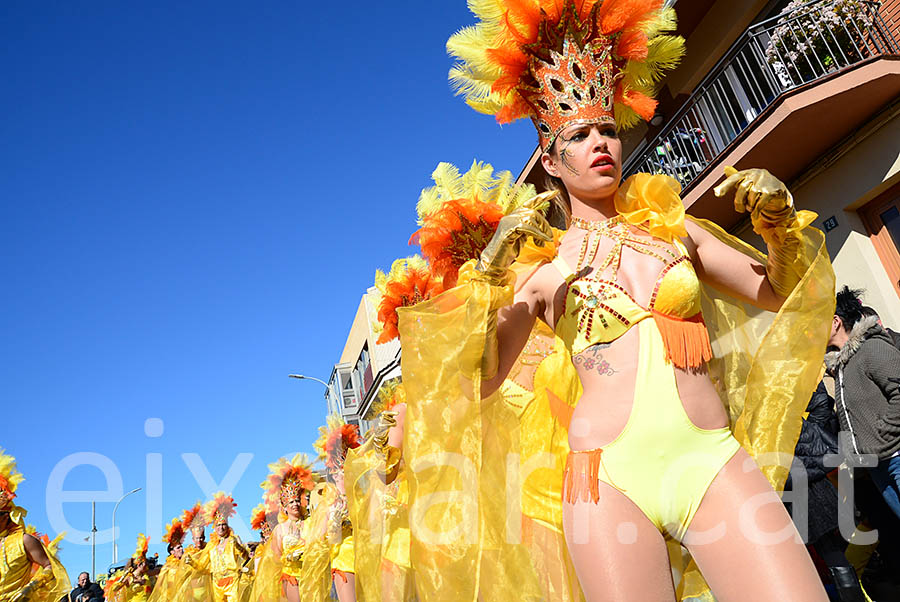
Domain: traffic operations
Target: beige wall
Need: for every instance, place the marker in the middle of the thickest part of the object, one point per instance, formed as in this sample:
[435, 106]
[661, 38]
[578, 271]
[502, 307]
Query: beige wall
[839, 189]
[725, 21]
[359, 333]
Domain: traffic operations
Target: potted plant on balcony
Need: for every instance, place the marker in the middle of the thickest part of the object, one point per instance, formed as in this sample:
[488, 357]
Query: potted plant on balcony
[811, 39]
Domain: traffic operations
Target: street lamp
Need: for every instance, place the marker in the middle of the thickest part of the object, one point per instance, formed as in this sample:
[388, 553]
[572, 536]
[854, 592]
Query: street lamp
[328, 391]
[116, 507]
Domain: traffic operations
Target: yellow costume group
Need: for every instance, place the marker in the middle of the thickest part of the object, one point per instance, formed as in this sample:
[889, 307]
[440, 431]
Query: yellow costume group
[469, 505]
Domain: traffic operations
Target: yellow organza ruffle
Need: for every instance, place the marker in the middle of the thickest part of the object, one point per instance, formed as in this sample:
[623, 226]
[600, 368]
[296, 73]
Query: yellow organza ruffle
[653, 201]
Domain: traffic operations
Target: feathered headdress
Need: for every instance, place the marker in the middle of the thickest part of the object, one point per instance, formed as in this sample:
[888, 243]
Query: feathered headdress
[193, 517]
[263, 519]
[287, 480]
[564, 61]
[391, 394]
[10, 478]
[174, 532]
[219, 509]
[143, 542]
[335, 438]
[410, 281]
[459, 214]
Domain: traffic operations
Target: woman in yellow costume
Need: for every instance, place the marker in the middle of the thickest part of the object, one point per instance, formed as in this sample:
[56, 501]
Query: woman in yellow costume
[136, 583]
[284, 567]
[377, 498]
[262, 519]
[172, 573]
[226, 553]
[335, 440]
[632, 292]
[195, 584]
[29, 570]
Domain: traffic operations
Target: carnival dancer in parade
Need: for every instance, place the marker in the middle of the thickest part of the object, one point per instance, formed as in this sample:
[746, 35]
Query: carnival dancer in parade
[282, 571]
[635, 379]
[29, 571]
[262, 519]
[377, 498]
[195, 584]
[227, 555]
[136, 583]
[336, 438]
[172, 573]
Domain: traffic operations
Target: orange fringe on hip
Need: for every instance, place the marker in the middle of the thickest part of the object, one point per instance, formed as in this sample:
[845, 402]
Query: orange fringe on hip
[285, 578]
[686, 340]
[340, 573]
[225, 581]
[582, 477]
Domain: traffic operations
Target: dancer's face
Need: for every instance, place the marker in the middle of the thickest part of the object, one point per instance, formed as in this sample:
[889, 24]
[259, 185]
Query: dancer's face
[588, 160]
[178, 551]
[198, 535]
[296, 507]
[222, 529]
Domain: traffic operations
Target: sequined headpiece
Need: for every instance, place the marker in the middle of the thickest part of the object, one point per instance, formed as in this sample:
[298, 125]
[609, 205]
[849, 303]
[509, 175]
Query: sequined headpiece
[193, 517]
[335, 438]
[10, 478]
[561, 62]
[460, 213]
[263, 519]
[219, 509]
[287, 480]
[174, 532]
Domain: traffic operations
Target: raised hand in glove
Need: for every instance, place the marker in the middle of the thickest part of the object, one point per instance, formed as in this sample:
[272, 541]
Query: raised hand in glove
[504, 246]
[759, 193]
[386, 421]
[774, 218]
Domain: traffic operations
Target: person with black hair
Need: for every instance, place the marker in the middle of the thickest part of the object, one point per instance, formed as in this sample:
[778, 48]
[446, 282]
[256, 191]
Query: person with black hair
[866, 369]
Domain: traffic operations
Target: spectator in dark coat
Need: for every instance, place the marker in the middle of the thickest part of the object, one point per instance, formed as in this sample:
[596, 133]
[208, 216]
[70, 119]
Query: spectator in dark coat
[86, 591]
[818, 437]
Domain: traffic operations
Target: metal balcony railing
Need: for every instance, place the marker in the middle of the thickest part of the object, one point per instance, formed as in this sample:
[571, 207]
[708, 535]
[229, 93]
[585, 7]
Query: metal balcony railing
[807, 41]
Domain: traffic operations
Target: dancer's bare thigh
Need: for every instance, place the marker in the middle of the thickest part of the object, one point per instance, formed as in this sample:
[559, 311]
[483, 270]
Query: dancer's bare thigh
[745, 543]
[617, 552]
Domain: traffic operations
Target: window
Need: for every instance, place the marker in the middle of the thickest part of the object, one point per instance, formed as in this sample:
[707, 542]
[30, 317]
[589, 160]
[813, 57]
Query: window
[882, 219]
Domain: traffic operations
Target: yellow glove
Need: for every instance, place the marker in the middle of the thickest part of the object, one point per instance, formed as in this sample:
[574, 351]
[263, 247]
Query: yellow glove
[771, 209]
[386, 421]
[501, 251]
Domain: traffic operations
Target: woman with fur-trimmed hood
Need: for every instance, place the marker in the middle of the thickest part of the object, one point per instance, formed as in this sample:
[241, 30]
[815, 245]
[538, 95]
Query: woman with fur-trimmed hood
[866, 370]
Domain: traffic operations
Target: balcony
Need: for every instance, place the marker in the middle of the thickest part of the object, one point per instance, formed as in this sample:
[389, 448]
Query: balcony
[791, 70]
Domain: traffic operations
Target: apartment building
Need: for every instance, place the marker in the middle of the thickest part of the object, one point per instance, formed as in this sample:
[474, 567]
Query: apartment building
[810, 94]
[364, 366]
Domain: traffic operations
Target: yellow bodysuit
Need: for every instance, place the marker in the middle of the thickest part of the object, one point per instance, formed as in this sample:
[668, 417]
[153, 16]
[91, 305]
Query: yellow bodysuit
[661, 461]
[225, 562]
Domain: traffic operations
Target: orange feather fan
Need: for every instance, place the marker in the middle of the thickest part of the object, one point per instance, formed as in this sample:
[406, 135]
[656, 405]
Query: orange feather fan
[409, 282]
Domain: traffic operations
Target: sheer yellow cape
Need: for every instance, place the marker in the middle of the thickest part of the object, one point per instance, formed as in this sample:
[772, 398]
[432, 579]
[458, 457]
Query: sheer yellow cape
[19, 571]
[195, 582]
[166, 587]
[485, 474]
[378, 511]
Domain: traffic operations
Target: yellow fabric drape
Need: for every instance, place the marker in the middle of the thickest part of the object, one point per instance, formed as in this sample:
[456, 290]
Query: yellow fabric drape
[166, 587]
[196, 582]
[378, 511]
[18, 571]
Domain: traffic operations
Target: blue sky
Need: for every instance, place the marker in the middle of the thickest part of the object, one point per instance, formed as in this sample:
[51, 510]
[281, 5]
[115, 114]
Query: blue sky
[194, 197]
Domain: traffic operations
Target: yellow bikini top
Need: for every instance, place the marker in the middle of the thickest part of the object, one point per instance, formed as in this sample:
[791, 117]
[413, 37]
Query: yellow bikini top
[600, 310]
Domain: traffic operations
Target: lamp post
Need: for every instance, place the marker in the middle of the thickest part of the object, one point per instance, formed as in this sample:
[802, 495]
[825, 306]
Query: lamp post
[116, 507]
[328, 391]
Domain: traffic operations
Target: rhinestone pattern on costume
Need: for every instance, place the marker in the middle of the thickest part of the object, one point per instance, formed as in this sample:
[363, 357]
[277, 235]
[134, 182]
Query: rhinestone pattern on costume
[593, 293]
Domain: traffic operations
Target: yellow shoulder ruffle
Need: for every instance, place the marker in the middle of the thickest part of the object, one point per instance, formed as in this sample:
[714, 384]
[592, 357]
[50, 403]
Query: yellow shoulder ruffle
[653, 201]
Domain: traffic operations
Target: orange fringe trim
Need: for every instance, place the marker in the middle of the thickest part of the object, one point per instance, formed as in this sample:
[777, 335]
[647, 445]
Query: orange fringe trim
[339, 573]
[225, 581]
[581, 481]
[686, 340]
[285, 578]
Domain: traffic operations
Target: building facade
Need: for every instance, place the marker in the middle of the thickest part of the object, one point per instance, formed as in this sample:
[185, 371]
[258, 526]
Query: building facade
[808, 90]
[364, 367]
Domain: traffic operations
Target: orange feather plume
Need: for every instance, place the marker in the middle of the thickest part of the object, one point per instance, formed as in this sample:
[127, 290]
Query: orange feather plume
[409, 282]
